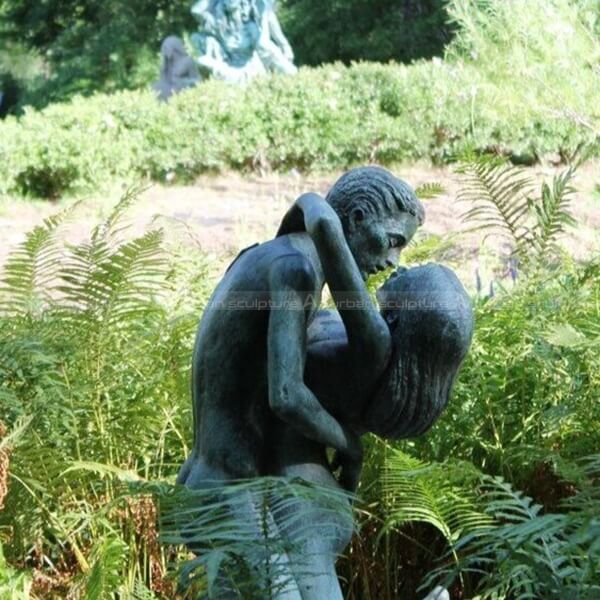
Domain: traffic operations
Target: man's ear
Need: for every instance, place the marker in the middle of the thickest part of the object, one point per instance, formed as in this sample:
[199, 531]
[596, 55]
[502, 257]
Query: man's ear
[357, 216]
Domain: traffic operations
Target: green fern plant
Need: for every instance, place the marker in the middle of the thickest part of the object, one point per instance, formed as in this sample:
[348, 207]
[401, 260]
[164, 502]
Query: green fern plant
[92, 355]
[552, 213]
[503, 203]
[433, 494]
[498, 193]
[104, 578]
[30, 270]
[429, 190]
[526, 553]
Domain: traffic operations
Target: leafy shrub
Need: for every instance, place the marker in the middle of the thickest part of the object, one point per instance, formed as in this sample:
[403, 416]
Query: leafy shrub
[512, 84]
[331, 117]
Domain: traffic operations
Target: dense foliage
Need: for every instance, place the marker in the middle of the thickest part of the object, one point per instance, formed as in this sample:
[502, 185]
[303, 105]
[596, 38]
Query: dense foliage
[349, 30]
[492, 94]
[94, 360]
[90, 45]
[94, 365]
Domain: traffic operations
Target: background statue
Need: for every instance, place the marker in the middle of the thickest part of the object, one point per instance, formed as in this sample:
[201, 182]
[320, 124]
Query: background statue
[273, 47]
[239, 39]
[178, 70]
[275, 388]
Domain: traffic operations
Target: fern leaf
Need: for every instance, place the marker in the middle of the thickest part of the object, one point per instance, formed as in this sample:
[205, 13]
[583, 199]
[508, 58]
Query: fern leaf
[498, 194]
[552, 213]
[115, 286]
[31, 268]
[419, 492]
[104, 578]
[533, 555]
[428, 191]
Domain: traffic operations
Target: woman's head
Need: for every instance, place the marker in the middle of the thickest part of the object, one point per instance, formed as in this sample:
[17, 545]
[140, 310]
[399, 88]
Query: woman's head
[431, 322]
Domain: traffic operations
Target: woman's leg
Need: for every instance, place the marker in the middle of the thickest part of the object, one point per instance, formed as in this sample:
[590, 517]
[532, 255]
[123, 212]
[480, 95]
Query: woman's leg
[318, 530]
[267, 566]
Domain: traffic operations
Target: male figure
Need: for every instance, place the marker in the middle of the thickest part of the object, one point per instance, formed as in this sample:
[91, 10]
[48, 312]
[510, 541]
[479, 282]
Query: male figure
[250, 352]
[240, 39]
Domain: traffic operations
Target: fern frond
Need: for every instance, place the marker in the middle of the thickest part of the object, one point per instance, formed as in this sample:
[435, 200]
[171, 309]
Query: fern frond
[531, 555]
[115, 286]
[115, 225]
[502, 201]
[428, 191]
[423, 248]
[551, 212]
[431, 494]
[29, 272]
[498, 194]
[104, 578]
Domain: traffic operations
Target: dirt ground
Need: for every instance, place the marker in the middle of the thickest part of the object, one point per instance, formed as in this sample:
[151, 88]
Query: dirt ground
[222, 214]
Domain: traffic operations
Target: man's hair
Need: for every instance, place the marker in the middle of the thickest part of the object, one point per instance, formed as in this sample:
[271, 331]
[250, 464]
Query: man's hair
[375, 191]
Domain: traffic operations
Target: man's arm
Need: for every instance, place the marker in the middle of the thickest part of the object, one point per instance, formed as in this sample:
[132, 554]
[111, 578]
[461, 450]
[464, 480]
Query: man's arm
[368, 334]
[290, 399]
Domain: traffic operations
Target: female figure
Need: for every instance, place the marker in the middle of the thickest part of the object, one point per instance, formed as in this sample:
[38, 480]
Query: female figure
[426, 322]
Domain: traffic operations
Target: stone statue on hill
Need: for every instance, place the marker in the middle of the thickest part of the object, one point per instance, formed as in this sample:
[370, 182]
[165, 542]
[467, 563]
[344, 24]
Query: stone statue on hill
[178, 70]
[240, 39]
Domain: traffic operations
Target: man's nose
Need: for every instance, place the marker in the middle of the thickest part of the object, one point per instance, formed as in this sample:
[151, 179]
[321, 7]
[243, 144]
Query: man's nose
[393, 257]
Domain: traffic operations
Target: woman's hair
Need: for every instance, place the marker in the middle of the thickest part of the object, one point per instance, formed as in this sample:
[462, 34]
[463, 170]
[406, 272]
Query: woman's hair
[431, 322]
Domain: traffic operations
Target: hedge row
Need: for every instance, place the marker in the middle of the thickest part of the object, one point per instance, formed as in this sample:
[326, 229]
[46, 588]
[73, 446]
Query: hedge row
[323, 118]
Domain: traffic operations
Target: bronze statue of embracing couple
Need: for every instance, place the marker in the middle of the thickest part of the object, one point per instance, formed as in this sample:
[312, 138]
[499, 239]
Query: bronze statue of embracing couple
[278, 384]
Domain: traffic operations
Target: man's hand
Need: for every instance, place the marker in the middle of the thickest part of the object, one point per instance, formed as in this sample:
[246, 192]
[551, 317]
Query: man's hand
[350, 468]
[349, 462]
[310, 212]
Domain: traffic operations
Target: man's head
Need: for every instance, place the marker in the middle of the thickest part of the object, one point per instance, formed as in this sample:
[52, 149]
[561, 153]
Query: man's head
[379, 213]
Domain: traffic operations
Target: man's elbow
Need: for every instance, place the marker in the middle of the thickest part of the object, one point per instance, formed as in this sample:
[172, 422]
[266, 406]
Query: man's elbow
[283, 402]
[378, 345]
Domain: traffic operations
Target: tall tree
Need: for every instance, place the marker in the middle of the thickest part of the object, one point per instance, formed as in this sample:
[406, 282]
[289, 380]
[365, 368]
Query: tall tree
[92, 44]
[349, 30]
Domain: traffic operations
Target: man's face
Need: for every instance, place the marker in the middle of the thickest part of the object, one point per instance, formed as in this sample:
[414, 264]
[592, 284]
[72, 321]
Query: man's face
[376, 242]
